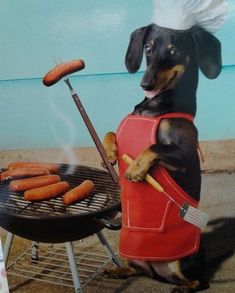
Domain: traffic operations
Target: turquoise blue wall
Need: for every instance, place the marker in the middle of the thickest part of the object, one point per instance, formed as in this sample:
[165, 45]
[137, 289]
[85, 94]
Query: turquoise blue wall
[34, 35]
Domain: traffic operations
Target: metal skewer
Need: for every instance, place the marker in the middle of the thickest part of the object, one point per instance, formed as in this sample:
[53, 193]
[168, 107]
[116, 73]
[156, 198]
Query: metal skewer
[92, 132]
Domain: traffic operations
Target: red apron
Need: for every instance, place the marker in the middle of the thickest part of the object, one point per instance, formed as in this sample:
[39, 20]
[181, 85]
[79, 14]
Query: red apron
[151, 226]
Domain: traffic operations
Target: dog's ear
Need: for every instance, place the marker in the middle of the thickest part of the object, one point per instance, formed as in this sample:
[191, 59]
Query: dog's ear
[208, 50]
[134, 52]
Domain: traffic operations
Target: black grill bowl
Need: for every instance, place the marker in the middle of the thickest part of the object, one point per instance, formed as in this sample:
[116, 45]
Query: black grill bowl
[50, 221]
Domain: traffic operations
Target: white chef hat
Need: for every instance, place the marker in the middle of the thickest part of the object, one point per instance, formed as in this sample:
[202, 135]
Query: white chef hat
[183, 14]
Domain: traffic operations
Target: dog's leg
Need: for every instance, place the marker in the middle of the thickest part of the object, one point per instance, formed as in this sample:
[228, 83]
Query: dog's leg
[168, 157]
[174, 273]
[131, 268]
[168, 271]
[121, 272]
[140, 166]
[172, 156]
[128, 269]
[190, 271]
[176, 147]
[110, 146]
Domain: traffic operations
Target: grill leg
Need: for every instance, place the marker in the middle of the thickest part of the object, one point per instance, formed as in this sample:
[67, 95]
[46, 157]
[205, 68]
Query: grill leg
[7, 246]
[34, 255]
[108, 248]
[73, 267]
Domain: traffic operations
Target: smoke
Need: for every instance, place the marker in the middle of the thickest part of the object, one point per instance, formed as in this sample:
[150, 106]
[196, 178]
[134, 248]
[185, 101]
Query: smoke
[68, 152]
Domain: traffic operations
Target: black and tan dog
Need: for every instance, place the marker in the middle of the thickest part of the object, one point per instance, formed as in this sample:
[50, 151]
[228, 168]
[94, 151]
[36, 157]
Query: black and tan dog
[173, 59]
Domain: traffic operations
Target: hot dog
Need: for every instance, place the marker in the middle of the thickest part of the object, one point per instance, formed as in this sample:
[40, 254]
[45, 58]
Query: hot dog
[29, 183]
[51, 167]
[80, 192]
[62, 70]
[23, 172]
[46, 192]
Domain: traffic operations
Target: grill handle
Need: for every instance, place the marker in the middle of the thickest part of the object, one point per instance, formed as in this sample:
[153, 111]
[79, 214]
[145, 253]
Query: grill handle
[111, 224]
[92, 132]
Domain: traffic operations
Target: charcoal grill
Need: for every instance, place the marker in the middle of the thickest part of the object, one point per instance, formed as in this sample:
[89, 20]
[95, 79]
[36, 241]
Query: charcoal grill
[51, 221]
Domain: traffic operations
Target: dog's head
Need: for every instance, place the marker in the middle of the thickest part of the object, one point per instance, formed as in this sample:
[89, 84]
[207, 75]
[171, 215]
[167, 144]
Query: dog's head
[169, 53]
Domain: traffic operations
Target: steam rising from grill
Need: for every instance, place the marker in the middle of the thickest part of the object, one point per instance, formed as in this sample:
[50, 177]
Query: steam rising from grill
[68, 151]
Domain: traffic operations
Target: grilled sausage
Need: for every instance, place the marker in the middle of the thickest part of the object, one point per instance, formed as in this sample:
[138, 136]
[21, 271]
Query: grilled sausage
[78, 193]
[51, 167]
[34, 182]
[23, 172]
[46, 192]
[61, 70]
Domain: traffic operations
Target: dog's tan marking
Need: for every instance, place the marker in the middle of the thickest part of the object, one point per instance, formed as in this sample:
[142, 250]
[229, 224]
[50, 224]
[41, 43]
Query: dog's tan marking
[110, 147]
[141, 266]
[180, 69]
[187, 284]
[169, 77]
[174, 73]
[139, 167]
[189, 287]
[162, 269]
[193, 284]
[164, 127]
[121, 272]
[174, 266]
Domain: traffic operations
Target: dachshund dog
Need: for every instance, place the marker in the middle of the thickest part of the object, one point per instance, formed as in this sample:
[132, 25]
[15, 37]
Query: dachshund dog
[173, 59]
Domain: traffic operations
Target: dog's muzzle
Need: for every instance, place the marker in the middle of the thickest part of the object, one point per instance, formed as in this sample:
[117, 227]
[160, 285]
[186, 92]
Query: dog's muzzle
[152, 94]
[148, 84]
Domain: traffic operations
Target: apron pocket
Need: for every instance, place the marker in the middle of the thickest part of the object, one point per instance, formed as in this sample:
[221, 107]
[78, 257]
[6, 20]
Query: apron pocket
[147, 215]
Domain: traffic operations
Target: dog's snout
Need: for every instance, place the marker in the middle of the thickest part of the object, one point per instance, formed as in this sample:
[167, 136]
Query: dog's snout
[147, 86]
[148, 81]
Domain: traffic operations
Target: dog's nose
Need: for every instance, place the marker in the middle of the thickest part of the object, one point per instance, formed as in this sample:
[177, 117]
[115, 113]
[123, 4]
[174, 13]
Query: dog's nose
[146, 86]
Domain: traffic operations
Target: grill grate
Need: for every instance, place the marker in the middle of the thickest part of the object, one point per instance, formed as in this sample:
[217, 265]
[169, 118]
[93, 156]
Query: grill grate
[106, 194]
[52, 265]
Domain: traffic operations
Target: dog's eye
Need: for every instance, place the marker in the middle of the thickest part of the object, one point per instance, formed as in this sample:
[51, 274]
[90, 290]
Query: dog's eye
[148, 49]
[173, 52]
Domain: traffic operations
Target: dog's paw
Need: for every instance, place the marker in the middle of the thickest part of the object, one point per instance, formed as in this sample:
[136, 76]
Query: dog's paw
[111, 161]
[135, 173]
[191, 287]
[110, 148]
[120, 272]
[112, 158]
